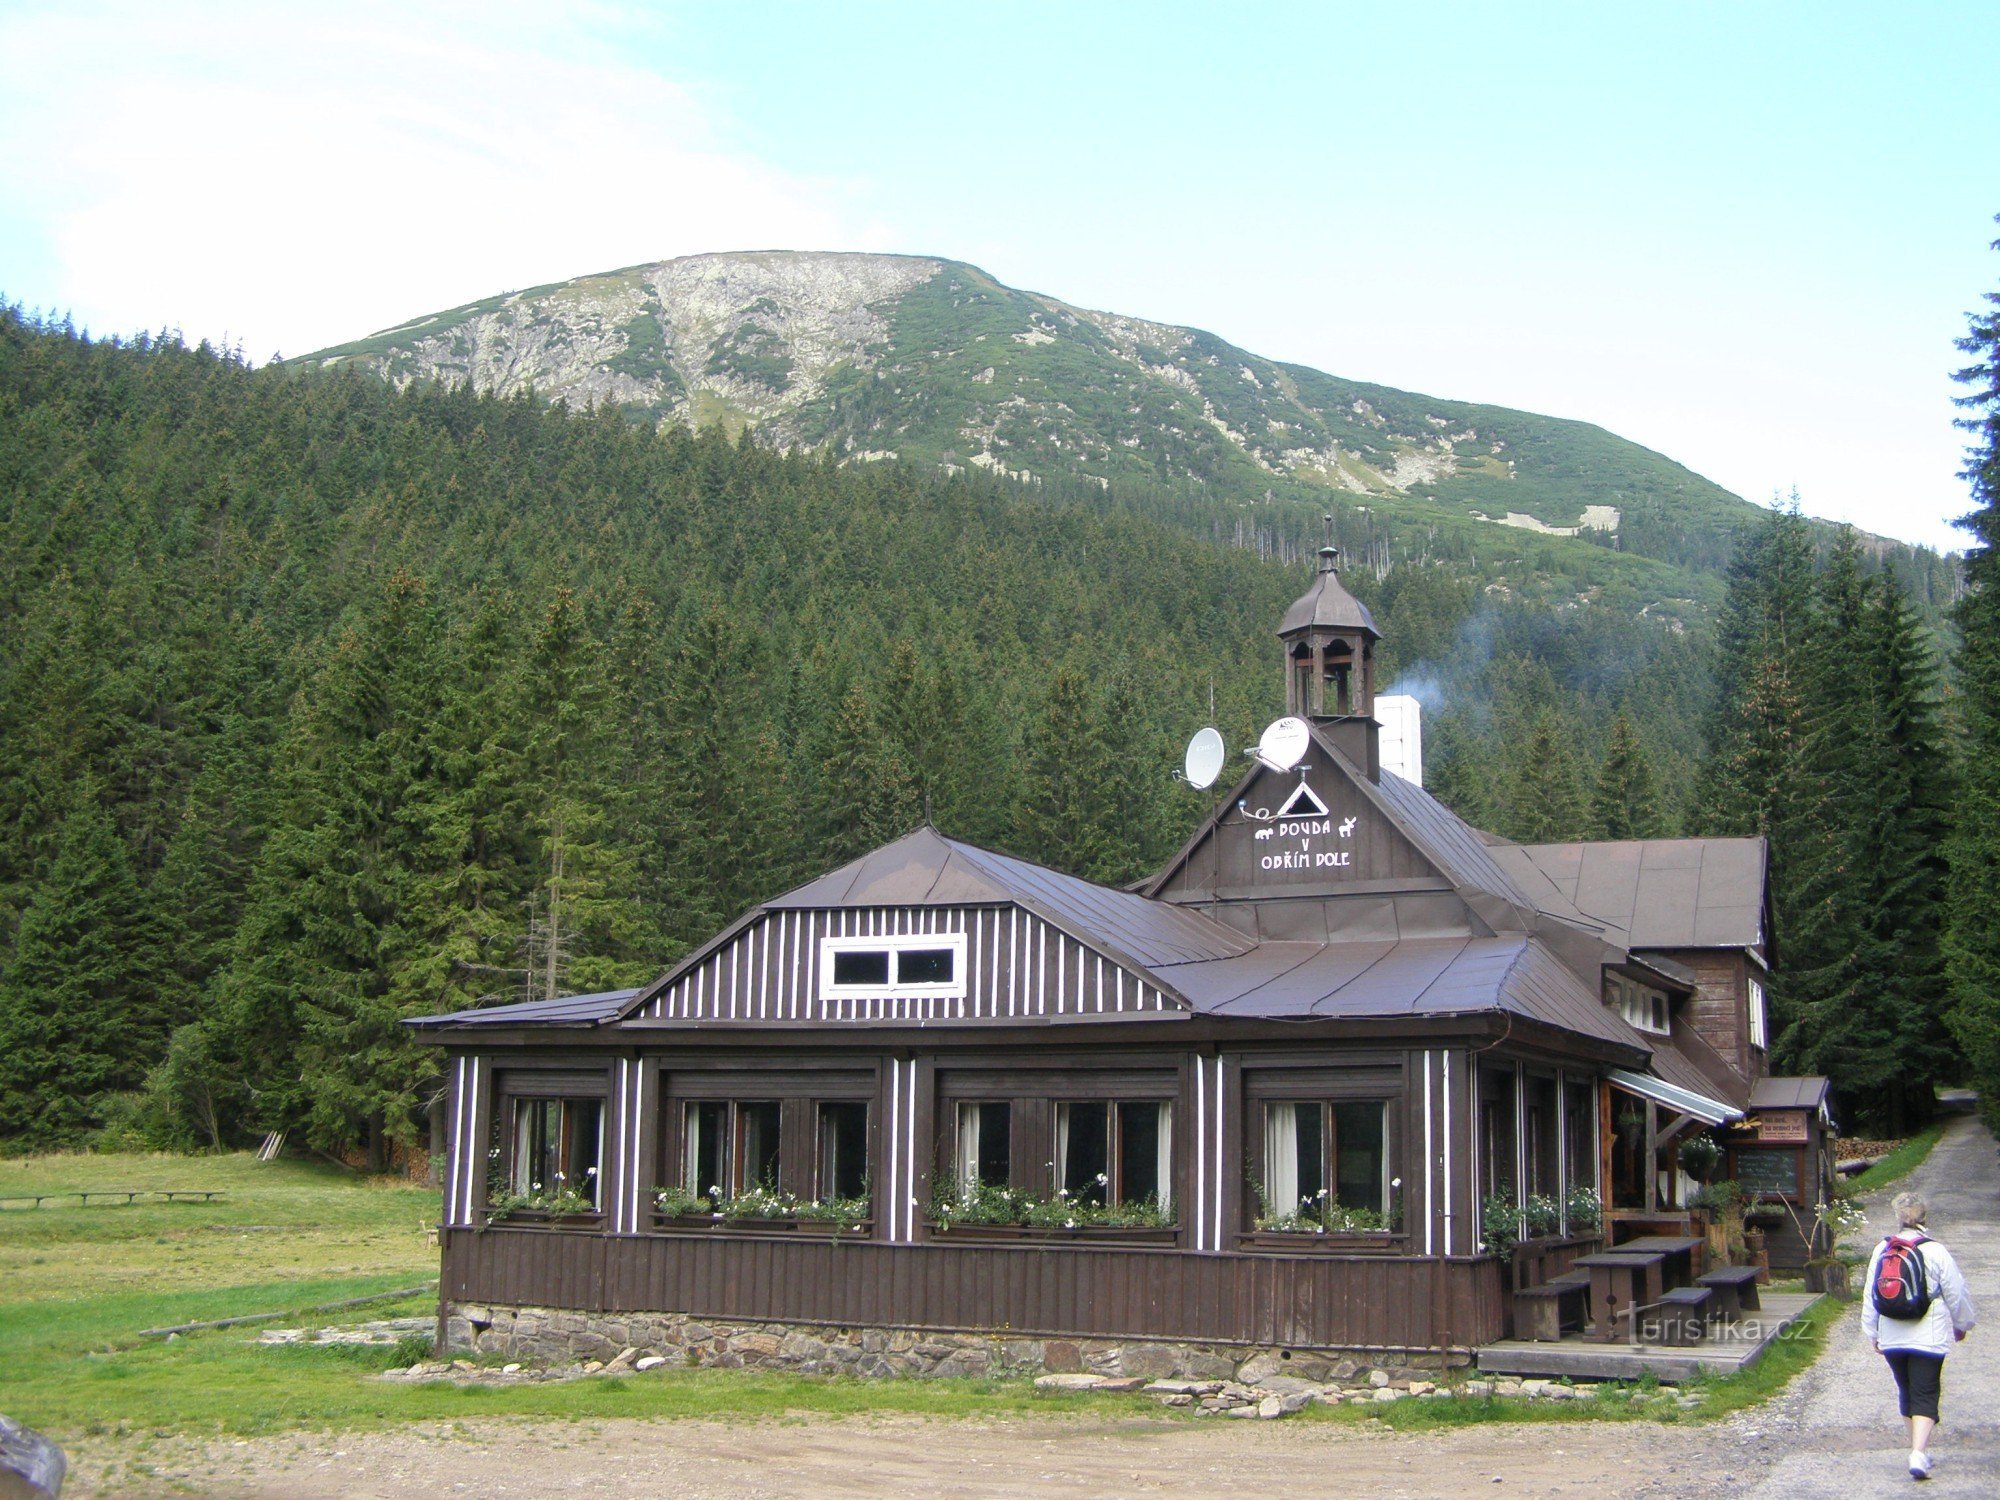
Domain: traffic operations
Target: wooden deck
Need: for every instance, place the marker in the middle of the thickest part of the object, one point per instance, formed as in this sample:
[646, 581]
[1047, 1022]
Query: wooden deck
[1735, 1346]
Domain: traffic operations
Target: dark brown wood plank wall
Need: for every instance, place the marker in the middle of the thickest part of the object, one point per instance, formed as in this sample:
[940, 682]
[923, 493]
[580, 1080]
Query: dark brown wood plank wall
[1331, 1301]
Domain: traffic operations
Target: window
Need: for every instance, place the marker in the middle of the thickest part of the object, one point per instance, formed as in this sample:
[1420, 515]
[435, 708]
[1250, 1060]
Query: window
[1640, 1004]
[1760, 1035]
[728, 1148]
[1115, 1151]
[985, 1154]
[1327, 1162]
[921, 964]
[558, 1144]
[1580, 1132]
[843, 1150]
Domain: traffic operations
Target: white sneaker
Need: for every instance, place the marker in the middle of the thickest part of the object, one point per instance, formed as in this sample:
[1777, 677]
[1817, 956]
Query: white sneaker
[1920, 1464]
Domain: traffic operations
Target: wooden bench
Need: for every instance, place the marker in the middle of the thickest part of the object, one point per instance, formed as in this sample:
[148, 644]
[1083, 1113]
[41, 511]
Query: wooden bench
[1541, 1313]
[1735, 1289]
[1682, 1315]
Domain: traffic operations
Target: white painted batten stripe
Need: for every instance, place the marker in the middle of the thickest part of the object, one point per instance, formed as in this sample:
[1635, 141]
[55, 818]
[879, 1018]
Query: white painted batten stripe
[1450, 1219]
[1200, 1153]
[1221, 1115]
[1430, 1163]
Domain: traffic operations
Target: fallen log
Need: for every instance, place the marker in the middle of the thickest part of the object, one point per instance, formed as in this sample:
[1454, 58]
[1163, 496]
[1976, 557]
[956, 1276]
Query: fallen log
[271, 1317]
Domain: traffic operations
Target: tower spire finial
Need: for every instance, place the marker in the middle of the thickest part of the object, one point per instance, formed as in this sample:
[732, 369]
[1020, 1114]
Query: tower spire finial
[1329, 555]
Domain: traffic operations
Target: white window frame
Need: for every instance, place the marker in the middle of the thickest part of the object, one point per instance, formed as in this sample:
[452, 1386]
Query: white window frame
[1644, 1007]
[895, 946]
[1760, 1022]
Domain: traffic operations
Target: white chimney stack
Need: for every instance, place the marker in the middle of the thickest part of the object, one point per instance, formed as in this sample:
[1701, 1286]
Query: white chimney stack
[1402, 721]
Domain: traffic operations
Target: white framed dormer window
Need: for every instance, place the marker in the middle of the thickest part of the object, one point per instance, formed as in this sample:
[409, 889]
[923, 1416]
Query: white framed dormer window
[1760, 1026]
[1640, 1004]
[917, 964]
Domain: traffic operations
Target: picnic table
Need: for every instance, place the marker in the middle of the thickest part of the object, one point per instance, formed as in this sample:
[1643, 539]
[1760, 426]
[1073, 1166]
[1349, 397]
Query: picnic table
[1680, 1251]
[1621, 1279]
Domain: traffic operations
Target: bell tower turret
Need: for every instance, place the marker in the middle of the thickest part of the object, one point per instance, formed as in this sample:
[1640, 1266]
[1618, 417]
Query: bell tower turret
[1329, 640]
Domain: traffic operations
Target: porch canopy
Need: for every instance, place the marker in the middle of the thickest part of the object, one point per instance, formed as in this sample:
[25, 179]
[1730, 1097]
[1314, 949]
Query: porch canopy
[1685, 1101]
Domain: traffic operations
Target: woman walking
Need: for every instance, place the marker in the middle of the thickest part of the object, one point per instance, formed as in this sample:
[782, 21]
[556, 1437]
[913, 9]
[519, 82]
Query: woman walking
[1916, 1307]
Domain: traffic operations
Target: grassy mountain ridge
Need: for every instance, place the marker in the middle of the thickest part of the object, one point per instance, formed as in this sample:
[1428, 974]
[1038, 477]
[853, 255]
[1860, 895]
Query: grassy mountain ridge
[935, 362]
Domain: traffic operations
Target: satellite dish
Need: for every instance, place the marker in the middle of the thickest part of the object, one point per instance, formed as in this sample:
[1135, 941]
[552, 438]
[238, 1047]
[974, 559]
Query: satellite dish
[1285, 743]
[1205, 755]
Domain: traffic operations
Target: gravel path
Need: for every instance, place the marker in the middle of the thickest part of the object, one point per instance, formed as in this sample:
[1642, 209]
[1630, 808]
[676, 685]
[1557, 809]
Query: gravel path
[1836, 1432]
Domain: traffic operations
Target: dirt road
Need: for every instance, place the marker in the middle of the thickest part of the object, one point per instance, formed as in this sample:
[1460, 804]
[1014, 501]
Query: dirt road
[1833, 1436]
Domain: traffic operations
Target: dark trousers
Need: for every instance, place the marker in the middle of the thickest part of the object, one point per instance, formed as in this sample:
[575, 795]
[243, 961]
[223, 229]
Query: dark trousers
[1919, 1378]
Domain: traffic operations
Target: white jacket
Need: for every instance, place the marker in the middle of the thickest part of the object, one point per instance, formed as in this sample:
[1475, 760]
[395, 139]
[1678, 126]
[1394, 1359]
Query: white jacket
[1951, 1310]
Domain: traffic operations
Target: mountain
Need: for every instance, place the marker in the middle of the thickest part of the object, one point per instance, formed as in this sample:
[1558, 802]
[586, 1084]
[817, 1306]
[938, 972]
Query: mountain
[935, 362]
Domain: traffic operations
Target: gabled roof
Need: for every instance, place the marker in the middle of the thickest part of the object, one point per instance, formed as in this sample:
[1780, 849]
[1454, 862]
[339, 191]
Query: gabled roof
[564, 1010]
[925, 868]
[1808, 1091]
[1654, 893]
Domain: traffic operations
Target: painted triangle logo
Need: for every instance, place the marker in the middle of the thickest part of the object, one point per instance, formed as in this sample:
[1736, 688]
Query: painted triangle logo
[1303, 803]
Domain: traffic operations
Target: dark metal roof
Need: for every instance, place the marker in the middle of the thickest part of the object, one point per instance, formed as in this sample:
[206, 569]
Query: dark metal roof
[1452, 844]
[1410, 977]
[1807, 1092]
[927, 869]
[1688, 1062]
[1656, 893]
[1327, 603]
[564, 1010]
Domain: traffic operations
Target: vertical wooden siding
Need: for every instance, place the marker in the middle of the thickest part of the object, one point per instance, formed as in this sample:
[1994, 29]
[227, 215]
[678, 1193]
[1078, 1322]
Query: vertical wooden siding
[1017, 965]
[1330, 1302]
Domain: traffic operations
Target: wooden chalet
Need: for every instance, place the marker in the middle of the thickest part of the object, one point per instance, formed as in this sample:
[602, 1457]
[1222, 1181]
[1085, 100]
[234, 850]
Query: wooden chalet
[1266, 1099]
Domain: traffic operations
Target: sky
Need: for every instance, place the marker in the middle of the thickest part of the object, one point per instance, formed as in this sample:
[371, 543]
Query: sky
[1745, 236]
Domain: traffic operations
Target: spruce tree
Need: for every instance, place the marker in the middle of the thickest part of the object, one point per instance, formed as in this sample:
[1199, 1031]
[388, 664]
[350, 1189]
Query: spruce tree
[79, 1014]
[1972, 941]
[1548, 802]
[1066, 815]
[1626, 803]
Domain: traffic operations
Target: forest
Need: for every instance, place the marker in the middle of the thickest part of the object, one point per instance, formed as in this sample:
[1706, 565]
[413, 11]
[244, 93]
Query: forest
[325, 704]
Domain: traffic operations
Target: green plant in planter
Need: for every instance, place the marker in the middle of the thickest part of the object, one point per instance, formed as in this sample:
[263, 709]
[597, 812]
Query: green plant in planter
[1542, 1215]
[561, 1200]
[1725, 1200]
[1317, 1213]
[1586, 1210]
[1500, 1224]
[987, 1203]
[1699, 1156]
[680, 1202]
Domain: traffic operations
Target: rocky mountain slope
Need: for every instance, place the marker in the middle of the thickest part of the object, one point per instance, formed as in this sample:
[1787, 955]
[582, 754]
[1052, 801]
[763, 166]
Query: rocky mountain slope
[933, 361]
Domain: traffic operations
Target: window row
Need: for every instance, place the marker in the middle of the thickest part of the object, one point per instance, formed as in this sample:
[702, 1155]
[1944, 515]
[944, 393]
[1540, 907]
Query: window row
[1315, 1163]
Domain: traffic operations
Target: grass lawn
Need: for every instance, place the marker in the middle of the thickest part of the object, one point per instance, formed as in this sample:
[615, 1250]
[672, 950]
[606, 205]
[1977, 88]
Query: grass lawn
[77, 1286]
[1899, 1163]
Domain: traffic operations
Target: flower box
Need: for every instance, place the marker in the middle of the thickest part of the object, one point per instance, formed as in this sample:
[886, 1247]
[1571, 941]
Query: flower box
[824, 1228]
[1056, 1234]
[1314, 1241]
[542, 1218]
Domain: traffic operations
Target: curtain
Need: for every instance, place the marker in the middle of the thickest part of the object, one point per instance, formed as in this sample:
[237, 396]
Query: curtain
[691, 1151]
[1165, 1155]
[968, 1145]
[1062, 1145]
[1281, 1157]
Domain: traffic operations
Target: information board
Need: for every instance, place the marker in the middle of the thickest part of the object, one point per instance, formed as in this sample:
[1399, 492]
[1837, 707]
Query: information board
[1786, 1125]
[1768, 1172]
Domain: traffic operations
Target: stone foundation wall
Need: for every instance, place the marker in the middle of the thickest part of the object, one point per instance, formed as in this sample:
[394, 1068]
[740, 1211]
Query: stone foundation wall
[549, 1335]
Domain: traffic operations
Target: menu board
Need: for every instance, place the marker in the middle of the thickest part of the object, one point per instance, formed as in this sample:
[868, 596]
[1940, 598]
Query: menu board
[1768, 1172]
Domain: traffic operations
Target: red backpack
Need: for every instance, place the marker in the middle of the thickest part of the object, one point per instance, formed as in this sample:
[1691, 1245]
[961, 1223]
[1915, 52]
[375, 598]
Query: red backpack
[1902, 1290]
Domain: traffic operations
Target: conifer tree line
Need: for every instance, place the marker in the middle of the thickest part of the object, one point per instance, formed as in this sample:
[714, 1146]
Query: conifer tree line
[324, 704]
